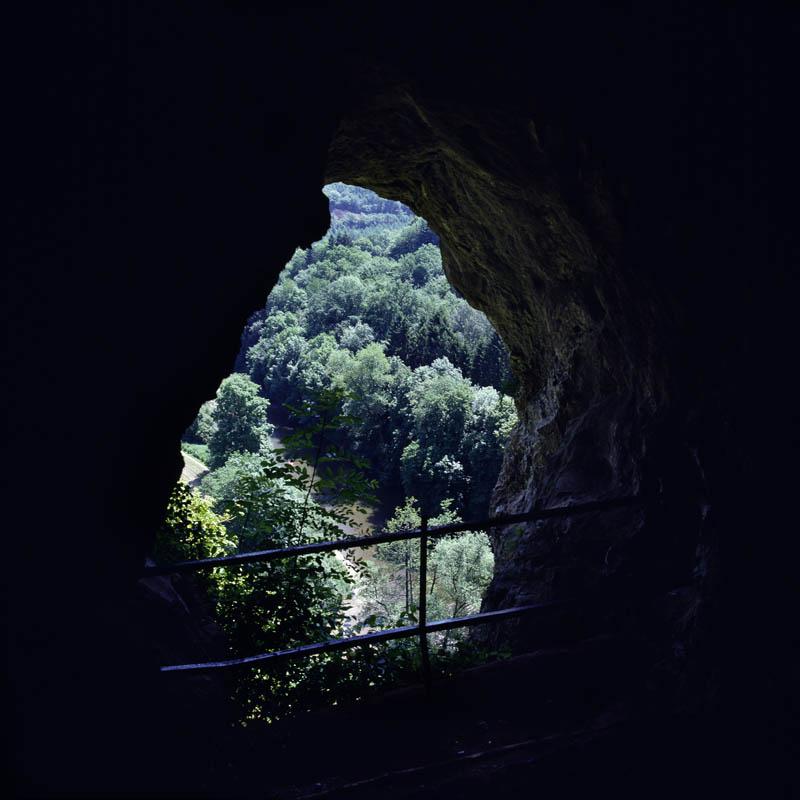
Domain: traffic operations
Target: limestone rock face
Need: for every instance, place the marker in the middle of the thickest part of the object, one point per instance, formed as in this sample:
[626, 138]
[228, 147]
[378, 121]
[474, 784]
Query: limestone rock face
[530, 235]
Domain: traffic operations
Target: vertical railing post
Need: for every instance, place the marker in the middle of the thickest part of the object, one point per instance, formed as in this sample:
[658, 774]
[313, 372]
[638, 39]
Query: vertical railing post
[423, 604]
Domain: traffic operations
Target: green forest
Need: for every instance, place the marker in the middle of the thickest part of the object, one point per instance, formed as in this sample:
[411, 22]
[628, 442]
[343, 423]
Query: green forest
[366, 393]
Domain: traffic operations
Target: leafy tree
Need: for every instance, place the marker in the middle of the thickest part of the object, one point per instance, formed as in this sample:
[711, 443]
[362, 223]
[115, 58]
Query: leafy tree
[312, 376]
[273, 362]
[492, 419]
[202, 428]
[412, 238]
[240, 419]
[336, 475]
[206, 424]
[421, 265]
[355, 336]
[265, 606]
[335, 302]
[375, 387]
[220, 483]
[286, 603]
[404, 554]
[287, 296]
[459, 570]
[440, 404]
[264, 502]
[191, 530]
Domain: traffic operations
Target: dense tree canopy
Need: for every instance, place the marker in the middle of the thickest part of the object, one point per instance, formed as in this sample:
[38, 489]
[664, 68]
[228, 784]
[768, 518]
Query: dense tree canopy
[368, 310]
[387, 380]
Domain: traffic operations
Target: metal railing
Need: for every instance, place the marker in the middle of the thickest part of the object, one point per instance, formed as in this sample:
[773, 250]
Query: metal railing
[423, 627]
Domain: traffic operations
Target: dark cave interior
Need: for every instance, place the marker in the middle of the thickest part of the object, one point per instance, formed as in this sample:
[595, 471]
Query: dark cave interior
[595, 182]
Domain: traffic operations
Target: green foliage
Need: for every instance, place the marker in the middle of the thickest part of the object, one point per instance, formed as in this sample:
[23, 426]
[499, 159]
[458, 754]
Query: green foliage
[279, 604]
[202, 428]
[369, 311]
[239, 419]
[390, 375]
[461, 567]
[411, 238]
[221, 483]
[264, 501]
[485, 436]
[433, 480]
[459, 570]
[261, 501]
[198, 451]
[355, 336]
[191, 530]
[392, 585]
[339, 477]
[341, 300]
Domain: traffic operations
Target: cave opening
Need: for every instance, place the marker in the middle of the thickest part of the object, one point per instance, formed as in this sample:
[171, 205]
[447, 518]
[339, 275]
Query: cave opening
[600, 184]
[367, 395]
[594, 425]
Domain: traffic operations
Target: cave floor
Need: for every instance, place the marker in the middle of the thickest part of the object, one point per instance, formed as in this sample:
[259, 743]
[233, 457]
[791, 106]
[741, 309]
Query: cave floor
[476, 731]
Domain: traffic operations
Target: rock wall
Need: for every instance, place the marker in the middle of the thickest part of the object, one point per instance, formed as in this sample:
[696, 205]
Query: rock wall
[530, 235]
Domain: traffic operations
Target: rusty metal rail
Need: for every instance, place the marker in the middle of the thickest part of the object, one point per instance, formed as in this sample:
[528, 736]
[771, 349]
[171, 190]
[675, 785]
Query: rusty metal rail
[423, 627]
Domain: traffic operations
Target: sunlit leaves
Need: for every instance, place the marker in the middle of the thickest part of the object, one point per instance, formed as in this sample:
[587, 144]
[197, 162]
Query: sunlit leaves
[240, 419]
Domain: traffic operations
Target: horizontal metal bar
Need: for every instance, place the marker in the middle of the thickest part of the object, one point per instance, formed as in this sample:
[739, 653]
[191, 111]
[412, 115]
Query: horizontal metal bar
[382, 538]
[366, 638]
